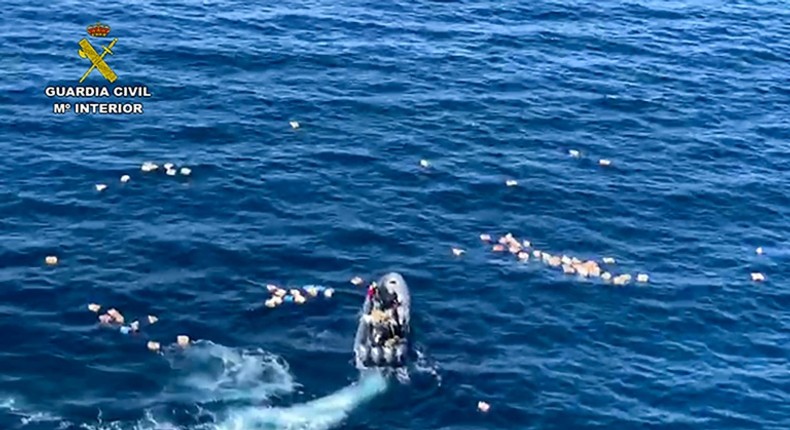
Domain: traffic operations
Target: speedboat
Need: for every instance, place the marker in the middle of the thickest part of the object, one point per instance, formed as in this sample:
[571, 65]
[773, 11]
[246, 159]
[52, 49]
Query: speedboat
[382, 338]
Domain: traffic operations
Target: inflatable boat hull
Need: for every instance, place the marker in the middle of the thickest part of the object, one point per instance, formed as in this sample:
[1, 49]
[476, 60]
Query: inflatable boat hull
[366, 352]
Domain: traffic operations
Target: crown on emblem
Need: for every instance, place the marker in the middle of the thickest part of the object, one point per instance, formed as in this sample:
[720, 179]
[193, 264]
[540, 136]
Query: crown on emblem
[98, 30]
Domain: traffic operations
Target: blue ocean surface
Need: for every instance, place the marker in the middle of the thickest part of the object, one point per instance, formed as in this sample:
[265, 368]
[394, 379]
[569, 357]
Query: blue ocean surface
[688, 100]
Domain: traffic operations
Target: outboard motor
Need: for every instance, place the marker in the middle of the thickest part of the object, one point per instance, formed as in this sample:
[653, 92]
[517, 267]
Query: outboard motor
[389, 355]
[363, 354]
[375, 355]
[400, 353]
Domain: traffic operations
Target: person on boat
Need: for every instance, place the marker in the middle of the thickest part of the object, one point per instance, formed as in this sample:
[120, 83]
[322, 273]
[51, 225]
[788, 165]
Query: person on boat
[380, 334]
[384, 315]
[391, 303]
[385, 299]
[372, 294]
[380, 322]
[392, 341]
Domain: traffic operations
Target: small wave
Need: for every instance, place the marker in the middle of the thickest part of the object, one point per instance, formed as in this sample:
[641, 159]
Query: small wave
[425, 365]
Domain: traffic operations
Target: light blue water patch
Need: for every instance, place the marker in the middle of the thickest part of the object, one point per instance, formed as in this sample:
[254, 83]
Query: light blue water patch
[319, 414]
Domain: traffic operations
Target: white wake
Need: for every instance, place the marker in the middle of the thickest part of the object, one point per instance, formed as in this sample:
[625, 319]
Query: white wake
[230, 389]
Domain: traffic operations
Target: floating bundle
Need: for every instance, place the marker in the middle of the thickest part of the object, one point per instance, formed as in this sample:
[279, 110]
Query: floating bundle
[523, 251]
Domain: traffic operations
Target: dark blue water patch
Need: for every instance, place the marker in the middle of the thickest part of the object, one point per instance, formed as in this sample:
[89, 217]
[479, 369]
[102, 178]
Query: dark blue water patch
[686, 100]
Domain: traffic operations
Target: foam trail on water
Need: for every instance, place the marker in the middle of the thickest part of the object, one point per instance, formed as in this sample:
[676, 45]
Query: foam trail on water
[319, 414]
[211, 372]
[222, 383]
[25, 416]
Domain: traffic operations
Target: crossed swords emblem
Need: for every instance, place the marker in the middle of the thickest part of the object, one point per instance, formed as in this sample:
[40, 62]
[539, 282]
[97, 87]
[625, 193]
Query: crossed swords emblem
[97, 60]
